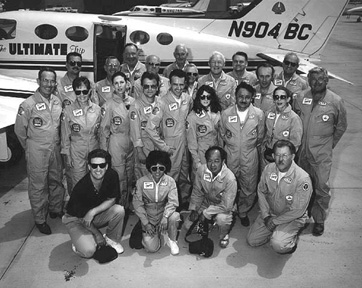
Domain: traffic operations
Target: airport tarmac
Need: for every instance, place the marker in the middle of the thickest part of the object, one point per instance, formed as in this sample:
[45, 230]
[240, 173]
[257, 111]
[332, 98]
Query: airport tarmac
[31, 259]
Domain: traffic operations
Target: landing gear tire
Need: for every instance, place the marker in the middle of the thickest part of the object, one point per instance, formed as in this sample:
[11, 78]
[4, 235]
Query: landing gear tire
[15, 151]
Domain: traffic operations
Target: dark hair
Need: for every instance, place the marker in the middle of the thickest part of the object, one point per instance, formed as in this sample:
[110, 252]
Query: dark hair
[129, 45]
[240, 53]
[223, 153]
[287, 91]
[150, 76]
[46, 69]
[265, 65]
[214, 103]
[245, 86]
[119, 73]
[158, 157]
[74, 54]
[99, 153]
[177, 73]
[284, 143]
[109, 58]
[77, 82]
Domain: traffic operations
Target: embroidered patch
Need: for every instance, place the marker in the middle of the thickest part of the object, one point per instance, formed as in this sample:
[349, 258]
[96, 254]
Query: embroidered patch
[257, 95]
[106, 89]
[251, 116]
[40, 106]
[172, 106]
[325, 118]
[228, 134]
[170, 122]
[103, 111]
[187, 124]
[37, 122]
[77, 112]
[21, 111]
[66, 102]
[133, 115]
[227, 96]
[76, 127]
[271, 116]
[285, 133]
[143, 124]
[209, 83]
[305, 187]
[273, 177]
[233, 119]
[278, 82]
[285, 117]
[68, 88]
[307, 101]
[289, 198]
[148, 185]
[155, 110]
[201, 114]
[207, 177]
[147, 110]
[117, 120]
[202, 128]
[288, 180]
[322, 103]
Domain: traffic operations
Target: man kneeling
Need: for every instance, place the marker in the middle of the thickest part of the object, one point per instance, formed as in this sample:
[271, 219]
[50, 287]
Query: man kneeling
[284, 192]
[92, 206]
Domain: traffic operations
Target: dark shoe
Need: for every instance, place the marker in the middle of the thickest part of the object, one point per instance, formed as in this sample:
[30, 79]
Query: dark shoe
[291, 251]
[54, 215]
[224, 242]
[318, 229]
[245, 221]
[44, 228]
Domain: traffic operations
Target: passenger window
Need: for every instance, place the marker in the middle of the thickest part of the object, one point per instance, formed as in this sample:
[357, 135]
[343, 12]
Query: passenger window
[46, 31]
[77, 33]
[139, 37]
[164, 38]
[7, 29]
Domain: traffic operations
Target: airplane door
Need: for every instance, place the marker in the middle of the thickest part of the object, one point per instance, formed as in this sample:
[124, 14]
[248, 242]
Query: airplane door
[109, 40]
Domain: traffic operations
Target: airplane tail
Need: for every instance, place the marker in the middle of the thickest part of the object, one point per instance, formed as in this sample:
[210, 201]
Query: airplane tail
[201, 5]
[303, 26]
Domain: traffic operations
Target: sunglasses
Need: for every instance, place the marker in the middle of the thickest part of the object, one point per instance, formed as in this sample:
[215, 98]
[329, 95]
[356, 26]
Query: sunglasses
[153, 87]
[78, 92]
[280, 97]
[159, 167]
[203, 97]
[154, 64]
[192, 74]
[73, 63]
[101, 165]
[287, 63]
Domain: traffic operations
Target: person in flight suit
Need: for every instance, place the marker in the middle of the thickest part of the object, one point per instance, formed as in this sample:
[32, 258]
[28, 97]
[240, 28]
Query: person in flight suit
[223, 84]
[153, 63]
[281, 122]
[155, 201]
[132, 67]
[180, 55]
[242, 129]
[104, 88]
[203, 125]
[114, 136]
[192, 75]
[324, 121]
[37, 128]
[214, 193]
[239, 73]
[264, 90]
[284, 192]
[166, 127]
[79, 129]
[289, 77]
[139, 112]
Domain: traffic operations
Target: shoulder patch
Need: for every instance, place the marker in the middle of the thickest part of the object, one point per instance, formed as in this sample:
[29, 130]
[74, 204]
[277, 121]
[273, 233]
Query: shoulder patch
[133, 115]
[103, 111]
[21, 111]
[305, 187]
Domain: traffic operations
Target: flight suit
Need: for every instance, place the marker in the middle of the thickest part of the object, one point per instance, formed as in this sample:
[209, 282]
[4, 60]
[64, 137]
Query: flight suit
[37, 128]
[170, 117]
[264, 101]
[164, 86]
[287, 126]
[79, 131]
[241, 142]
[286, 201]
[151, 202]
[215, 196]
[323, 126]
[133, 75]
[104, 90]
[114, 138]
[139, 112]
[247, 77]
[202, 133]
[225, 88]
[173, 66]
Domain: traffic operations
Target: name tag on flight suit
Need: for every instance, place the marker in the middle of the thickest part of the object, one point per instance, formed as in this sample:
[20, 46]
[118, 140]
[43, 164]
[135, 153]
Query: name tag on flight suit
[148, 185]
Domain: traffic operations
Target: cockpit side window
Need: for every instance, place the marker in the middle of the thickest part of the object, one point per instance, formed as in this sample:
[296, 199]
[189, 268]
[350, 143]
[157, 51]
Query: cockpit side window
[7, 29]
[77, 33]
[46, 31]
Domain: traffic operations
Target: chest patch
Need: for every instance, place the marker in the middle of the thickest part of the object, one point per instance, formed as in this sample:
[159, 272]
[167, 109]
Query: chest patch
[147, 110]
[155, 110]
[37, 122]
[325, 118]
[227, 96]
[143, 124]
[106, 89]
[307, 101]
[258, 96]
[278, 82]
[271, 116]
[273, 177]
[66, 102]
[285, 133]
[233, 119]
[76, 127]
[117, 120]
[68, 88]
[207, 177]
[40, 106]
[77, 112]
[170, 122]
[172, 106]
[228, 134]
[133, 115]
[202, 128]
[148, 185]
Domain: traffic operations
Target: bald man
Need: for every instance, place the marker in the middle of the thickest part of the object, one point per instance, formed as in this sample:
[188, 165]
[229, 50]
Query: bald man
[180, 55]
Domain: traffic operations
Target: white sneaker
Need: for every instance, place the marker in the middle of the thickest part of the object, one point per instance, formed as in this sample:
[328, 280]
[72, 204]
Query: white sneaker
[173, 246]
[117, 246]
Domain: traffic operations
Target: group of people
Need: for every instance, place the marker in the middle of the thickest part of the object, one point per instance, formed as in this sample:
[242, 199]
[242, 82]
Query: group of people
[159, 144]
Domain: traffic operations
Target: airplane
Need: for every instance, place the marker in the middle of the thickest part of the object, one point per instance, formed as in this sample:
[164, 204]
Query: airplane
[266, 30]
[355, 11]
[198, 8]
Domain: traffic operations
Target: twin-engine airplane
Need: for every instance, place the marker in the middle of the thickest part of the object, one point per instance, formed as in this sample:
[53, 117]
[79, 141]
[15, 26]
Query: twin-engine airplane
[265, 30]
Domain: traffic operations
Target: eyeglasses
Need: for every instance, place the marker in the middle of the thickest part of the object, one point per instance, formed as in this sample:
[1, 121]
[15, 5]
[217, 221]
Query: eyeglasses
[284, 156]
[73, 63]
[280, 97]
[203, 97]
[159, 167]
[153, 87]
[287, 63]
[192, 74]
[78, 92]
[154, 64]
[101, 165]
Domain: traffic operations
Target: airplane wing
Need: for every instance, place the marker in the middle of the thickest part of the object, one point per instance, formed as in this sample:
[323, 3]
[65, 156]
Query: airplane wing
[12, 93]
[304, 65]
